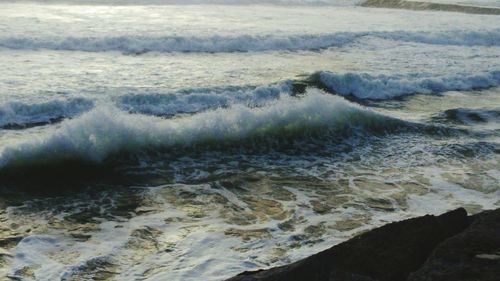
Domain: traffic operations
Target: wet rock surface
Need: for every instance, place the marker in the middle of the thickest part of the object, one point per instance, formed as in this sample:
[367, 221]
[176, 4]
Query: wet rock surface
[451, 246]
[473, 254]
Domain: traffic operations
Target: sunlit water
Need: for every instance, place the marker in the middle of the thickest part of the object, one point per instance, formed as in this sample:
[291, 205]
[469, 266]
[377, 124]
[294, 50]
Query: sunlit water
[168, 142]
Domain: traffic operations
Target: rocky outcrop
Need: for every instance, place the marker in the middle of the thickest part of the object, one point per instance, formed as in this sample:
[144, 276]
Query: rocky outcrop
[414, 5]
[471, 255]
[390, 253]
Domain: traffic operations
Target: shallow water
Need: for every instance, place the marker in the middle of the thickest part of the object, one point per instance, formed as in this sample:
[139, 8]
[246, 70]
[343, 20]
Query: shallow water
[153, 141]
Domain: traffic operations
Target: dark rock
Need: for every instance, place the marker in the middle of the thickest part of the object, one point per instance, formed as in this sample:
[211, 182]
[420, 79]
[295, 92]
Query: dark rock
[81, 237]
[389, 253]
[87, 215]
[421, 6]
[471, 255]
[8, 242]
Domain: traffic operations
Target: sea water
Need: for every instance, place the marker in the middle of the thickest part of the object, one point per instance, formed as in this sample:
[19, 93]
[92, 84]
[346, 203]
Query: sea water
[173, 140]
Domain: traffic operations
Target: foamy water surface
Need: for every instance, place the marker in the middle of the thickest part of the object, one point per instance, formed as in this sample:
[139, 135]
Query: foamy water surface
[160, 140]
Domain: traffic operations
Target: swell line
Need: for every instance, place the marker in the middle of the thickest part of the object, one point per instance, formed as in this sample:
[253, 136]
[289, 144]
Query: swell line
[244, 43]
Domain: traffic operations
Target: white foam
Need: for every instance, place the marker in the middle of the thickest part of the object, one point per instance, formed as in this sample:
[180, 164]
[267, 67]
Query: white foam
[446, 196]
[35, 248]
[366, 86]
[199, 247]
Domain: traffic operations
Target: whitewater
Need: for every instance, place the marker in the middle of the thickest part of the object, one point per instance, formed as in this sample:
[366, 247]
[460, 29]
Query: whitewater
[169, 140]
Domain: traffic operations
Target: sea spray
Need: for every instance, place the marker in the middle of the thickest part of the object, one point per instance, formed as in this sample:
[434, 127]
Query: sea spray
[105, 131]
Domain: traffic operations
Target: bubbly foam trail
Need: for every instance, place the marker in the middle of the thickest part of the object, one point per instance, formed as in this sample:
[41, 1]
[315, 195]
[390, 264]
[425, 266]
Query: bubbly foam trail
[20, 115]
[106, 131]
[378, 87]
[245, 43]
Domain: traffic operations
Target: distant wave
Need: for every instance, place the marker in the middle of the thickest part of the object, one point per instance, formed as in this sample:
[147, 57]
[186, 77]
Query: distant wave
[366, 86]
[22, 115]
[202, 2]
[451, 37]
[213, 44]
[244, 43]
[197, 100]
[103, 132]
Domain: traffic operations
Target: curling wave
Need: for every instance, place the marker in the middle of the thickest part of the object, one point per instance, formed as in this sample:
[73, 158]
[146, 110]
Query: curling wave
[103, 132]
[14, 115]
[367, 86]
[245, 43]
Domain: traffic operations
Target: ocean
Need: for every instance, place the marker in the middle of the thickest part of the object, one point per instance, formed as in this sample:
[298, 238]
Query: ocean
[189, 140]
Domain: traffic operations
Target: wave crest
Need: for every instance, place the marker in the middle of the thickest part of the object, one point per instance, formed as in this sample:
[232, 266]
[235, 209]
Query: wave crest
[245, 43]
[21, 115]
[103, 132]
[366, 86]
[197, 100]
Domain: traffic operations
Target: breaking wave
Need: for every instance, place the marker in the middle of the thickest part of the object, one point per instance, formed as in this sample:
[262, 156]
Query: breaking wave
[18, 115]
[103, 132]
[367, 86]
[245, 43]
[15, 115]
